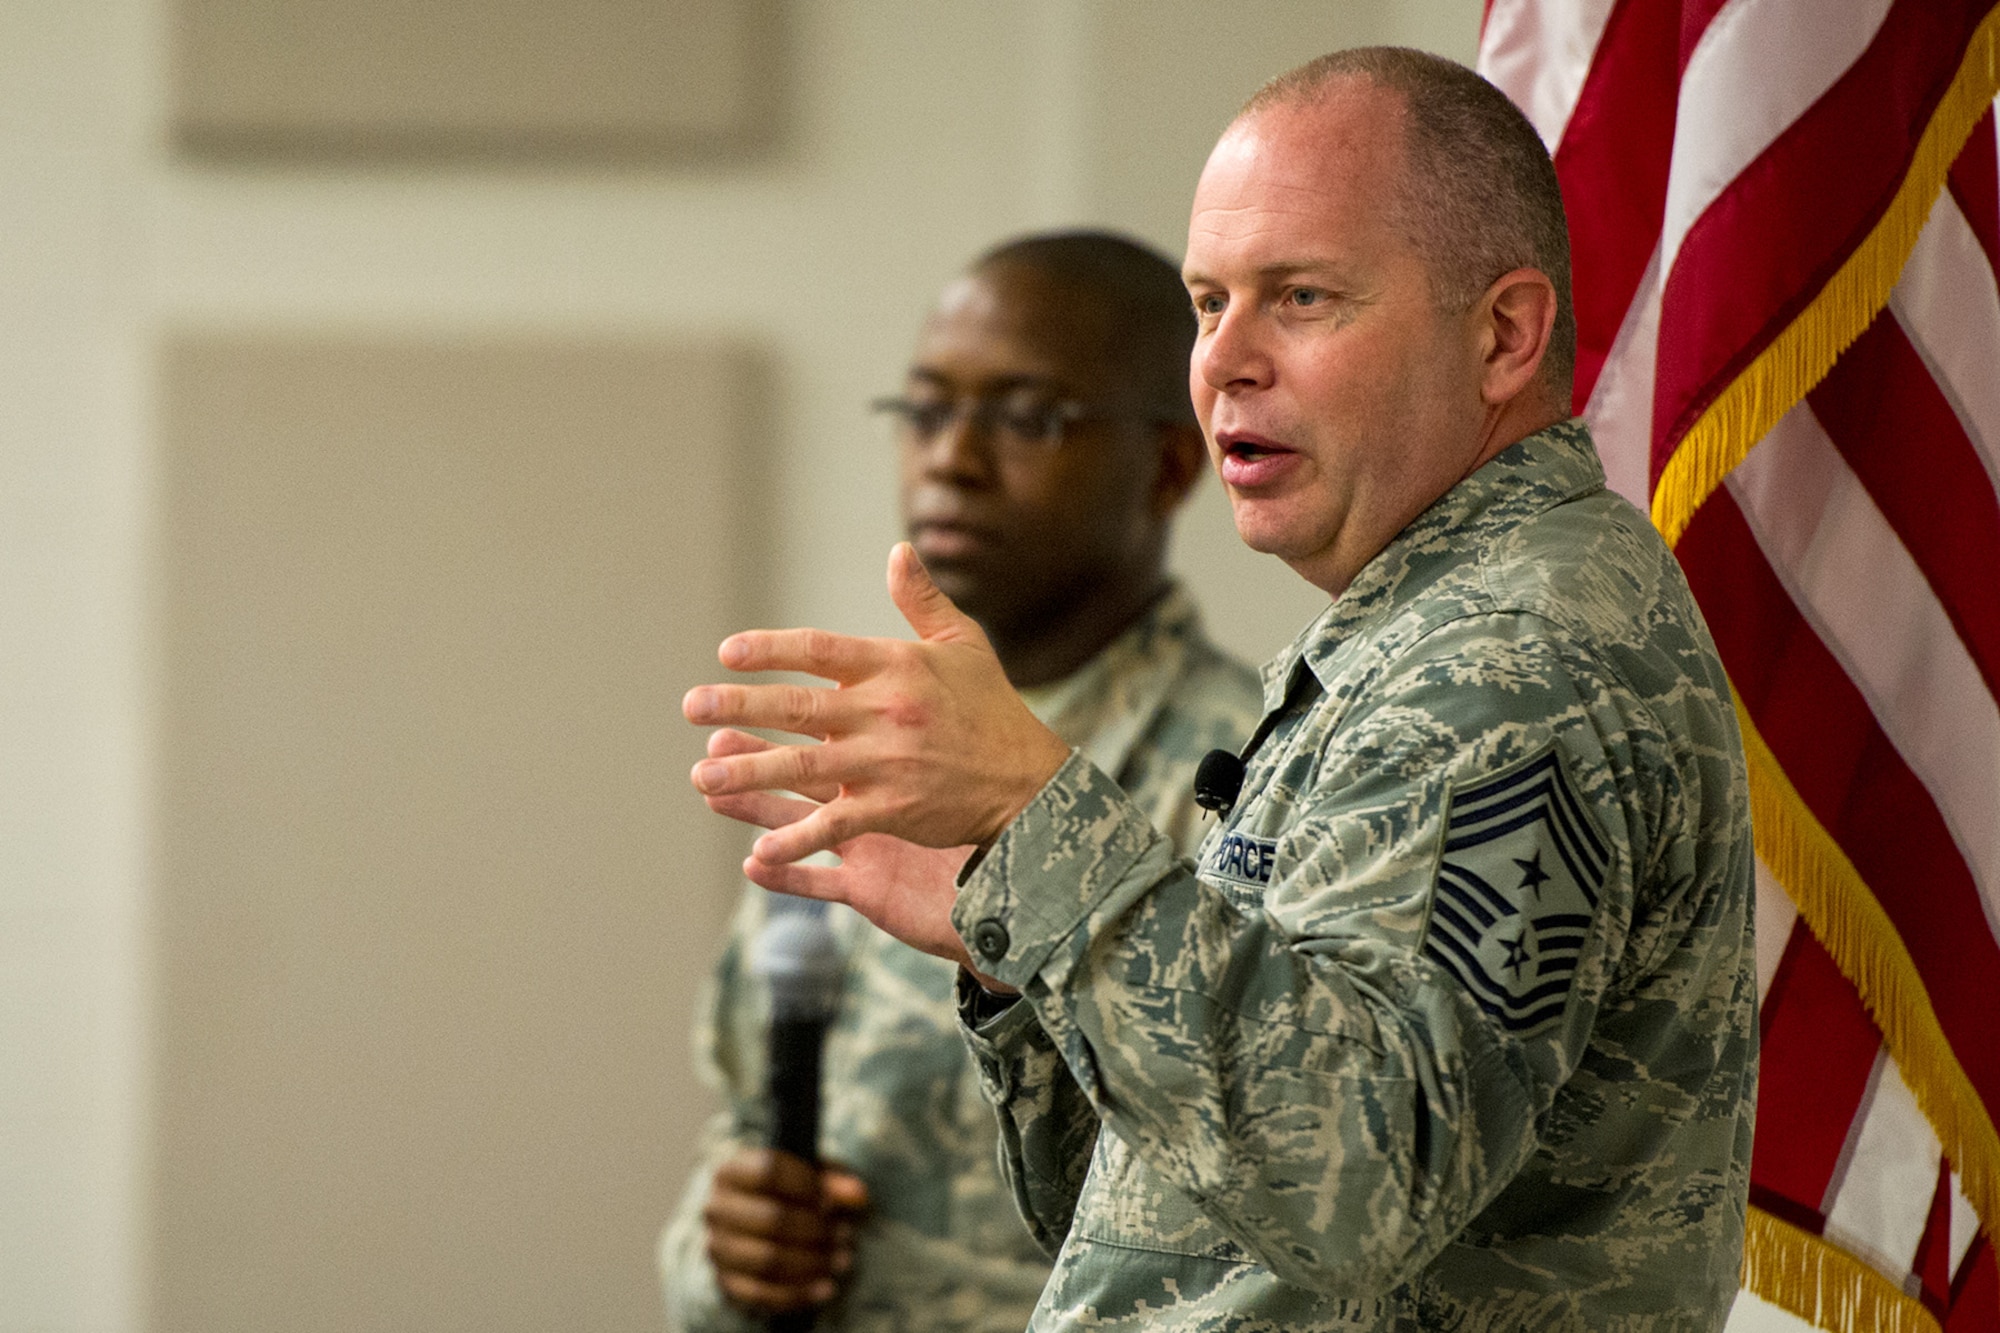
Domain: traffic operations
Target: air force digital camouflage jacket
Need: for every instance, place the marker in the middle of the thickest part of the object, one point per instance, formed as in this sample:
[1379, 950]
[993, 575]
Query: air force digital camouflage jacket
[943, 1248]
[1454, 1026]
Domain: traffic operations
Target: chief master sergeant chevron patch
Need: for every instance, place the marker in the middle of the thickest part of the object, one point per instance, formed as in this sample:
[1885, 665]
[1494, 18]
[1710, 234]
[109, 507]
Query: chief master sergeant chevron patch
[1517, 887]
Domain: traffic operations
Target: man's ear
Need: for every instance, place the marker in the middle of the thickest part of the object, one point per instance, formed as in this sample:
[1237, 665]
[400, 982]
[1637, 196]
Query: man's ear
[1515, 319]
[1183, 458]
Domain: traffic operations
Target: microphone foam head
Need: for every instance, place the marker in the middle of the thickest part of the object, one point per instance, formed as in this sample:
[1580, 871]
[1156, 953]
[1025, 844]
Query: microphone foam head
[797, 956]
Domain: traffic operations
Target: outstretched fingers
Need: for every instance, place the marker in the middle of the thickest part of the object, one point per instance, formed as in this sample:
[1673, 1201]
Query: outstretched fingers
[799, 768]
[761, 808]
[821, 831]
[817, 652]
[800, 880]
[806, 710]
[726, 742]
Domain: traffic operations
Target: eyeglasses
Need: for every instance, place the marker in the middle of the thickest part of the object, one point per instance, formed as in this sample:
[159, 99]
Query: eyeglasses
[1019, 420]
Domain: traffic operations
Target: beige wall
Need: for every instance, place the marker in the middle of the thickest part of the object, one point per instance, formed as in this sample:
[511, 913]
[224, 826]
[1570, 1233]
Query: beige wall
[919, 132]
[426, 919]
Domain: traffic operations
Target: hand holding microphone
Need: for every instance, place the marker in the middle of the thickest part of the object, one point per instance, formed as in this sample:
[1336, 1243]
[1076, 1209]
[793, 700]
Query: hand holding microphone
[780, 1225]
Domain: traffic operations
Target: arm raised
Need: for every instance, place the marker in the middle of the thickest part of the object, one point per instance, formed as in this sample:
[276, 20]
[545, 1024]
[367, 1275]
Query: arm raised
[923, 740]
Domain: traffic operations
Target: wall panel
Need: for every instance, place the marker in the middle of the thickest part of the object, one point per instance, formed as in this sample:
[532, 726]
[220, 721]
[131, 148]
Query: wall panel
[434, 898]
[431, 78]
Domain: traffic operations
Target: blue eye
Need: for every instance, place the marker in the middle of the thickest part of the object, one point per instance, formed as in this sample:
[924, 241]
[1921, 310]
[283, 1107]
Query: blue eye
[1307, 296]
[1209, 305]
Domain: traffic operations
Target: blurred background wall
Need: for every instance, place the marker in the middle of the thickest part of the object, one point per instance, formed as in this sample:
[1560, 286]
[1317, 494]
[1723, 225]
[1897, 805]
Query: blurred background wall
[389, 423]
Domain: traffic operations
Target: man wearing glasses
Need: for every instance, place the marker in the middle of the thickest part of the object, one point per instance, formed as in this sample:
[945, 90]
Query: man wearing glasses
[1045, 440]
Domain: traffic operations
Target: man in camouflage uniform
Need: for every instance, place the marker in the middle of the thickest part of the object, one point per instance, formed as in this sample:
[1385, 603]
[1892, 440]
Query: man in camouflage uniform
[1453, 1027]
[1045, 441]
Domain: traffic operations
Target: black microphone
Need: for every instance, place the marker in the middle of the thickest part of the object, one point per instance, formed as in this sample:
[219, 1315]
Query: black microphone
[1217, 780]
[797, 958]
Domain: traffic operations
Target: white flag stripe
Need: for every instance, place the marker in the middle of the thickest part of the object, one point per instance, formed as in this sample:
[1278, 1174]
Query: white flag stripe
[1753, 1314]
[1539, 55]
[1620, 411]
[1949, 307]
[1776, 914]
[1880, 1198]
[1855, 582]
[1759, 66]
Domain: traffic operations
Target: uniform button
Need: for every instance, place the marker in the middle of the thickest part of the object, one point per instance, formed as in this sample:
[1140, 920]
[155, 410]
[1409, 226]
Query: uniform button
[991, 939]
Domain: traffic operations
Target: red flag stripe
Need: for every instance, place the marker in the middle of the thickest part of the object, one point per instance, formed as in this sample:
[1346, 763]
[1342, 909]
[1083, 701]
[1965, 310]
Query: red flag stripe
[1695, 17]
[1612, 164]
[1745, 87]
[1853, 781]
[1763, 249]
[1964, 1224]
[1932, 1266]
[1883, 411]
[1975, 1293]
[1539, 55]
[1855, 583]
[1731, 81]
[1819, 1047]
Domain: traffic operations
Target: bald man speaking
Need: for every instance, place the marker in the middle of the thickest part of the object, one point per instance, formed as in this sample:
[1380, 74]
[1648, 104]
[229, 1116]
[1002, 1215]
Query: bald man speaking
[1451, 1025]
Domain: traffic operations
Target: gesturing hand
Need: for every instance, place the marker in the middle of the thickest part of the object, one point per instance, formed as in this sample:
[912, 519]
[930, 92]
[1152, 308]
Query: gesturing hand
[924, 740]
[902, 888]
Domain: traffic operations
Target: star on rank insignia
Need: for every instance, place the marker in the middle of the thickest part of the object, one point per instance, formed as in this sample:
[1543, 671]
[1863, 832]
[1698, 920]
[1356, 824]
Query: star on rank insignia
[1516, 891]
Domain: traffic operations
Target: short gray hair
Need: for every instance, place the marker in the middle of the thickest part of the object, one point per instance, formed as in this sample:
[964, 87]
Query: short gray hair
[1479, 195]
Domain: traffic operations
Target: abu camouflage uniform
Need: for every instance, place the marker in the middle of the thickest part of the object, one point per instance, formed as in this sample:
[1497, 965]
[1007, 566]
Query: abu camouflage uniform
[1454, 1027]
[942, 1248]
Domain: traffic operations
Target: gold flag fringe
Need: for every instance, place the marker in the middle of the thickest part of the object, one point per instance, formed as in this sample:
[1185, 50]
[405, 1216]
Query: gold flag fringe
[1823, 1284]
[1837, 906]
[1799, 357]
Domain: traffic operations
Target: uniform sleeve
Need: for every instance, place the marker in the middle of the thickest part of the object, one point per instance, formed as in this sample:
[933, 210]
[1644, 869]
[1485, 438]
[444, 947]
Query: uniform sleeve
[1048, 1128]
[1314, 1065]
[726, 1025]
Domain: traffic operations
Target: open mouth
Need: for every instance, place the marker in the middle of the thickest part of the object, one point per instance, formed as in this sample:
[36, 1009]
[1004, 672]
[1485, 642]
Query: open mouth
[1243, 444]
[1251, 460]
[1249, 448]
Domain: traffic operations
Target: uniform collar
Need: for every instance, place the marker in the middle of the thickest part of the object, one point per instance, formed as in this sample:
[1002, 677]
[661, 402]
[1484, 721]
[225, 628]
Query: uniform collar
[1554, 465]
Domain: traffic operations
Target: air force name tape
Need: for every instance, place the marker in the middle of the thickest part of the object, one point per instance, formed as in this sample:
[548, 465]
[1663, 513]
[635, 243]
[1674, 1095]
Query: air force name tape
[1241, 859]
[1517, 889]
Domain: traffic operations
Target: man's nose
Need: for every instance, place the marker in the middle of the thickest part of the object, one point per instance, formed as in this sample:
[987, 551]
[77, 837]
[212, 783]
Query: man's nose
[1231, 356]
[962, 448]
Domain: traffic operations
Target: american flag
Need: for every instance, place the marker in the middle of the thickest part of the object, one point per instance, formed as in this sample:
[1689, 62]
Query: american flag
[1785, 221]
